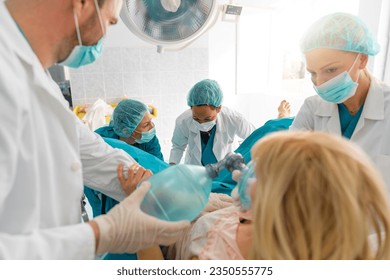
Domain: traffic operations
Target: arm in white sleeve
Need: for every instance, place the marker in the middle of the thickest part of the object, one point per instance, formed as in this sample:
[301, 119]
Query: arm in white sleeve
[100, 162]
[17, 240]
[74, 242]
[179, 143]
[244, 127]
[304, 120]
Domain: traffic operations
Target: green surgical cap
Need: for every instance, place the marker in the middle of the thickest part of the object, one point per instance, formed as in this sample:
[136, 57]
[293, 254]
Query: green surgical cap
[340, 31]
[126, 117]
[205, 92]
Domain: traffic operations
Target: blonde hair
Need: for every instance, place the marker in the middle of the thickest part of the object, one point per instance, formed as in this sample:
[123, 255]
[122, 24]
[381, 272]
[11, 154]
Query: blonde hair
[317, 197]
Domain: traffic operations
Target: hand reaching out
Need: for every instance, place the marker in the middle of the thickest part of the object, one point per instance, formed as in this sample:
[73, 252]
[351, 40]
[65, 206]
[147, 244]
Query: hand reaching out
[135, 174]
[125, 228]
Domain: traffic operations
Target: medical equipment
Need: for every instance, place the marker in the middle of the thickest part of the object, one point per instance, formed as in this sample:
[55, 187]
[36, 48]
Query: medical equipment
[170, 24]
[340, 88]
[243, 185]
[146, 136]
[182, 191]
[231, 162]
[179, 192]
[234, 162]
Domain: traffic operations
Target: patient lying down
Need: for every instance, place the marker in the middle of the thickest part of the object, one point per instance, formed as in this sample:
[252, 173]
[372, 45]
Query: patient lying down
[313, 196]
[218, 235]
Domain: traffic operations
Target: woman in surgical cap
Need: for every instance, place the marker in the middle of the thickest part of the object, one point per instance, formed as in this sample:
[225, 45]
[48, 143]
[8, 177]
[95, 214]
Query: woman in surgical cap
[207, 130]
[350, 102]
[131, 122]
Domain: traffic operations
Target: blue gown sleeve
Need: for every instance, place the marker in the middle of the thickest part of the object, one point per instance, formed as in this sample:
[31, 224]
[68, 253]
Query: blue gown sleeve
[152, 147]
[224, 183]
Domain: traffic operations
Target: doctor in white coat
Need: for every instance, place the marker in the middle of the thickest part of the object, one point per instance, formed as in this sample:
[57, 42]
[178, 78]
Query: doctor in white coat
[350, 101]
[47, 154]
[207, 130]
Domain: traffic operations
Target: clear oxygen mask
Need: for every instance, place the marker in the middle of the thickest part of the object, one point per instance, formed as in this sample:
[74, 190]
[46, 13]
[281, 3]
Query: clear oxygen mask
[182, 191]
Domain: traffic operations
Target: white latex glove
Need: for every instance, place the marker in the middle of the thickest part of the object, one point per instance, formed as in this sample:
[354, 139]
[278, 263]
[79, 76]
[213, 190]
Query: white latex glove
[125, 228]
[236, 175]
[218, 201]
[236, 197]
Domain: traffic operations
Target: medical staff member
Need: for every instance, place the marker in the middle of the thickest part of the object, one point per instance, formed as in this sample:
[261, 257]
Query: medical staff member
[47, 154]
[207, 130]
[349, 101]
[132, 122]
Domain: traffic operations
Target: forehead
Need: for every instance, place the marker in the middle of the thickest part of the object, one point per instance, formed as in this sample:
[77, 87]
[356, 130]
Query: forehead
[320, 57]
[202, 111]
[146, 118]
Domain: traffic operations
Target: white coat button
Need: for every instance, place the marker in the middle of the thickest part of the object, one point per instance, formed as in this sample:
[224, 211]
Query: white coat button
[75, 166]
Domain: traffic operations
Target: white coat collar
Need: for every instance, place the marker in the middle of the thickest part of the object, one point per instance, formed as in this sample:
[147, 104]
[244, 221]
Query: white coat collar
[18, 42]
[23, 50]
[218, 142]
[373, 106]
[197, 151]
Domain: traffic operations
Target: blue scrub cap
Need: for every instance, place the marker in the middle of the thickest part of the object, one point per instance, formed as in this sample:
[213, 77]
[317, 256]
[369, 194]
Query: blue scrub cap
[340, 31]
[126, 117]
[205, 92]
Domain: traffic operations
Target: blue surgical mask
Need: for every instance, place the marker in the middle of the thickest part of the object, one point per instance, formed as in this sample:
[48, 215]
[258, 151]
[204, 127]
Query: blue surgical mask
[206, 126]
[83, 55]
[339, 88]
[146, 136]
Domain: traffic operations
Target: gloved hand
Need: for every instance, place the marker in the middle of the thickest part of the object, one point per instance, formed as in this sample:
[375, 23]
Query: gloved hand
[125, 228]
[236, 175]
[218, 201]
[135, 174]
[236, 197]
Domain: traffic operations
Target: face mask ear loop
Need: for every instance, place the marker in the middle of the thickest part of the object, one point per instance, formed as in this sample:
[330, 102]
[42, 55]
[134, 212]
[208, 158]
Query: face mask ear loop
[136, 132]
[133, 137]
[356, 59]
[100, 17]
[76, 22]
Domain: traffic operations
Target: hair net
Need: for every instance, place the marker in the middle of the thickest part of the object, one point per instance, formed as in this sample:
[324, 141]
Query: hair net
[340, 31]
[205, 92]
[127, 116]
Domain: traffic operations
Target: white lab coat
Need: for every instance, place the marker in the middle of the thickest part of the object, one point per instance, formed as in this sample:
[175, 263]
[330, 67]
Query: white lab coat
[372, 132]
[229, 124]
[44, 153]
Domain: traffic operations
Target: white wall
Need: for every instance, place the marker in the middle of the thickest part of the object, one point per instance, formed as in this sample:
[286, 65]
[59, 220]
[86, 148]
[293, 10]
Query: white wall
[133, 68]
[290, 20]
[376, 13]
[130, 67]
